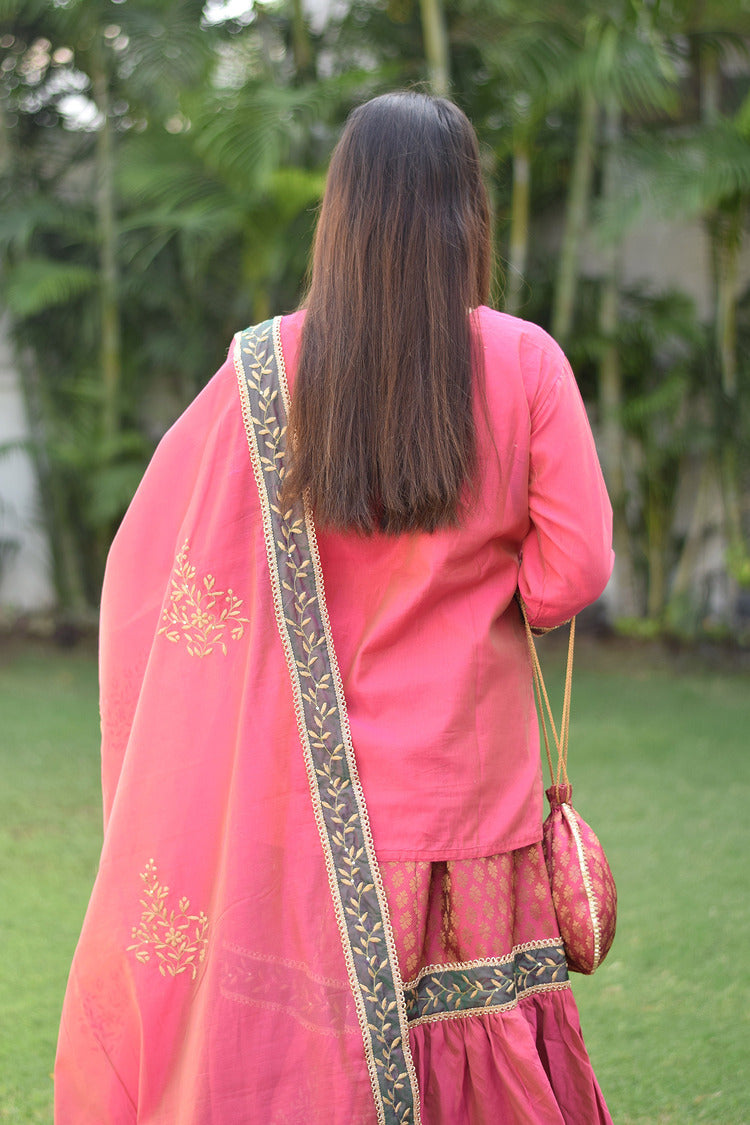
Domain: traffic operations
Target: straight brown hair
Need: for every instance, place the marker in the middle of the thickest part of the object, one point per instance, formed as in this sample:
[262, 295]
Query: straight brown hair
[382, 432]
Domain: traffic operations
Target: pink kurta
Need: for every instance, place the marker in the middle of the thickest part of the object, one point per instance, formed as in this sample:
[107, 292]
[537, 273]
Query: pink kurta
[208, 987]
[428, 634]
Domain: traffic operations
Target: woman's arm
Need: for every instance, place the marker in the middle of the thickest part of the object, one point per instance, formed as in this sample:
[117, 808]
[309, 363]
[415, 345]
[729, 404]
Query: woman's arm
[567, 555]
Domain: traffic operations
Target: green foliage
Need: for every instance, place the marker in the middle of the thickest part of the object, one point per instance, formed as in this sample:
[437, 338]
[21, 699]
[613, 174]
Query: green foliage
[38, 284]
[160, 174]
[212, 189]
[709, 167]
[639, 628]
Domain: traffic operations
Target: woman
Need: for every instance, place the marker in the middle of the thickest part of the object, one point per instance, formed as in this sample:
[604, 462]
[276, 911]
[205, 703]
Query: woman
[321, 896]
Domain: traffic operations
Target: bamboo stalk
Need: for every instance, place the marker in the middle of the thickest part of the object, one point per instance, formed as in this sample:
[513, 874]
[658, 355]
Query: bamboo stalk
[519, 223]
[435, 34]
[612, 440]
[576, 210]
[106, 218]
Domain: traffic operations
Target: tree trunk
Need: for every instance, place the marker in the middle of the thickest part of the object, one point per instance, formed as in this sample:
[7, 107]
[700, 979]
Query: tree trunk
[710, 85]
[519, 223]
[579, 191]
[727, 245]
[657, 524]
[105, 208]
[726, 233]
[301, 43]
[612, 446]
[6, 146]
[685, 606]
[435, 35]
[66, 560]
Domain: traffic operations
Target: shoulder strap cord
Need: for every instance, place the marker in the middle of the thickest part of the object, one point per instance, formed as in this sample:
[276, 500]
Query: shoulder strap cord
[559, 775]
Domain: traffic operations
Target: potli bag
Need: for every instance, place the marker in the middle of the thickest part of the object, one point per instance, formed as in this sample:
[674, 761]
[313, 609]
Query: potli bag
[583, 889]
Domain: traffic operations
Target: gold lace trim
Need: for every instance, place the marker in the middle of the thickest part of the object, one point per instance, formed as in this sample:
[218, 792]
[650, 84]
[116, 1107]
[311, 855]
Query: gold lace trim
[569, 814]
[482, 962]
[471, 1013]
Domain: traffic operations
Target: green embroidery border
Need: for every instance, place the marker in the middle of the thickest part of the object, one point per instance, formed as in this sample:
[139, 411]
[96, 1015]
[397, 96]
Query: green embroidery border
[497, 984]
[299, 600]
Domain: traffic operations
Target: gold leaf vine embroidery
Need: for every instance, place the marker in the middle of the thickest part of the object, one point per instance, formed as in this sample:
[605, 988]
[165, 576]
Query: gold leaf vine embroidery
[199, 613]
[338, 803]
[464, 990]
[175, 938]
[471, 987]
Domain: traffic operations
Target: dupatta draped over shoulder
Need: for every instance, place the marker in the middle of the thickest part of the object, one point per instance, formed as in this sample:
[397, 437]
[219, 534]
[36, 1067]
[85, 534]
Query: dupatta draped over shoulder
[283, 712]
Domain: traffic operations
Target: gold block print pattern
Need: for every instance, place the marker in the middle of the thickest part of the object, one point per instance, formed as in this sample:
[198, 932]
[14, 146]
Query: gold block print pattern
[176, 938]
[407, 885]
[198, 613]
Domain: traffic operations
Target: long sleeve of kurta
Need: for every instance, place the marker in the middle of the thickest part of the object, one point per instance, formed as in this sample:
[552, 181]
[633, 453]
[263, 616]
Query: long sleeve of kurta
[566, 557]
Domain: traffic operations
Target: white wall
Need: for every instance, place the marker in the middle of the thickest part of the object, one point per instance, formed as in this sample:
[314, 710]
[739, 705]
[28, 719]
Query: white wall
[24, 549]
[667, 255]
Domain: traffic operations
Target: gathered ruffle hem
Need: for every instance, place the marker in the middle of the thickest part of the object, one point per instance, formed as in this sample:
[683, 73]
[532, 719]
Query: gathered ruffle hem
[494, 1028]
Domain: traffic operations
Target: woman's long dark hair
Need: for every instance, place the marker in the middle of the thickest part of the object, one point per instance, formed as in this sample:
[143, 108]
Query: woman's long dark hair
[382, 429]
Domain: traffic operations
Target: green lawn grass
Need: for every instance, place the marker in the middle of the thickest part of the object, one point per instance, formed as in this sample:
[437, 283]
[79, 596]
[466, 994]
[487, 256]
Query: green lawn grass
[50, 833]
[660, 765]
[660, 769]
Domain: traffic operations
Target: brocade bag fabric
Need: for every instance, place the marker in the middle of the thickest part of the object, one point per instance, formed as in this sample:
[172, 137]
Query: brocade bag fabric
[583, 888]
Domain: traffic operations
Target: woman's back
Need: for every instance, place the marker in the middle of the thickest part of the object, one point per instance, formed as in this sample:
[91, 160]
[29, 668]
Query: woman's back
[428, 635]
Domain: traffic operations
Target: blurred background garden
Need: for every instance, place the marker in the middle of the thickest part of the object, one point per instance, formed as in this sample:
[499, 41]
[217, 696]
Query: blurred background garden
[161, 162]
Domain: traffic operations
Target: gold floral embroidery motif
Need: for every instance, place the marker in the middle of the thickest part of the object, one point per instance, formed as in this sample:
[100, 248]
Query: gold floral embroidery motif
[176, 938]
[198, 612]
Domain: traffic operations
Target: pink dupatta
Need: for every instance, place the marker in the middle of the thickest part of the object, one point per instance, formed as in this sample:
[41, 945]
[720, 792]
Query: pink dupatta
[209, 984]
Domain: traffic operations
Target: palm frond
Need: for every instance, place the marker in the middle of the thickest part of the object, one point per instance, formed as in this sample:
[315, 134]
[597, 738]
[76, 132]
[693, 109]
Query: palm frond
[22, 220]
[168, 50]
[625, 65]
[696, 172]
[23, 11]
[37, 284]
[244, 139]
[112, 489]
[686, 174]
